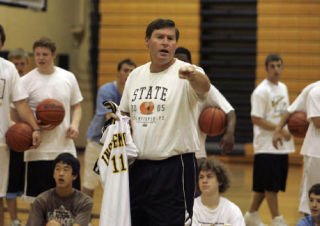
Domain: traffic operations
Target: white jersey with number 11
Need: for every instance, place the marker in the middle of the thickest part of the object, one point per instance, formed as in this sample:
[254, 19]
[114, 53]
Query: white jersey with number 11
[113, 166]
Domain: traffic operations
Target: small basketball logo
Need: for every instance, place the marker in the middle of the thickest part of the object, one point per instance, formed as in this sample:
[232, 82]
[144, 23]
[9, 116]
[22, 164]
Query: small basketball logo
[146, 108]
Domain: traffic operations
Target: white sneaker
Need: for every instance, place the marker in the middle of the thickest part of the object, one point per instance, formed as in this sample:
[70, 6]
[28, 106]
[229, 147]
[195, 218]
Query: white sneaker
[278, 221]
[252, 219]
[16, 222]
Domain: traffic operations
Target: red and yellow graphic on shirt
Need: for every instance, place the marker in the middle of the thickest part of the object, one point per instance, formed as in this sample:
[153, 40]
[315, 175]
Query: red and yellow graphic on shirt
[146, 108]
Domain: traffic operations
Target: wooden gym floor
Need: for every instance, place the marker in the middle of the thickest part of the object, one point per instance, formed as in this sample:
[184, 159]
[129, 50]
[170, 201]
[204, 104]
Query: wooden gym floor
[240, 193]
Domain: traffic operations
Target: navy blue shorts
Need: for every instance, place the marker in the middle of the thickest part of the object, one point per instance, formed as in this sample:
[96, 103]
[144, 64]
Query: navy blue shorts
[16, 174]
[162, 192]
[270, 172]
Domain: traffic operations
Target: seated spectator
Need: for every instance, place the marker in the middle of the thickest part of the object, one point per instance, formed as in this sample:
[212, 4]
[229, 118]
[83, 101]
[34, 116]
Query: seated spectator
[314, 205]
[211, 208]
[62, 205]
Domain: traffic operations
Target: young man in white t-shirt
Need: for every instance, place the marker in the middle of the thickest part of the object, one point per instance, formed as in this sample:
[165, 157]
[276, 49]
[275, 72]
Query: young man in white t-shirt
[11, 91]
[269, 101]
[210, 208]
[216, 99]
[308, 101]
[161, 98]
[50, 81]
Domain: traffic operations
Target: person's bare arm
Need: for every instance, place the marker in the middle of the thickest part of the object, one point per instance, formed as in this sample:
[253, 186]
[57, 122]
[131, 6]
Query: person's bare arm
[26, 115]
[227, 141]
[278, 131]
[76, 113]
[316, 122]
[198, 81]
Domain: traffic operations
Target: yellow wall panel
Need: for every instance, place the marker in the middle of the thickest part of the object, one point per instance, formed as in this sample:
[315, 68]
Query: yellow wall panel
[123, 25]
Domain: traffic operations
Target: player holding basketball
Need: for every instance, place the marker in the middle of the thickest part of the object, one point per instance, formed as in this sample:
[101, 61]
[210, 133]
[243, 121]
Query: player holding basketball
[108, 92]
[307, 101]
[161, 98]
[11, 90]
[16, 166]
[214, 98]
[269, 101]
[50, 81]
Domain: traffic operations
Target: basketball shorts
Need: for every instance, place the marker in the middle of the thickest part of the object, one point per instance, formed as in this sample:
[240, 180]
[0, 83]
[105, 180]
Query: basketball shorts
[39, 178]
[4, 170]
[91, 154]
[16, 175]
[270, 172]
[162, 192]
[311, 176]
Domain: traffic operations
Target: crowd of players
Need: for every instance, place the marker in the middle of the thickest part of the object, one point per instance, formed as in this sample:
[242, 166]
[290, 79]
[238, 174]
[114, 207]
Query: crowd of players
[163, 99]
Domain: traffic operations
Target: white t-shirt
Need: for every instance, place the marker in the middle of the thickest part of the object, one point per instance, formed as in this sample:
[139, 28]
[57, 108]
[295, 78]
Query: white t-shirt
[215, 99]
[11, 90]
[309, 101]
[113, 166]
[227, 213]
[269, 101]
[62, 86]
[163, 112]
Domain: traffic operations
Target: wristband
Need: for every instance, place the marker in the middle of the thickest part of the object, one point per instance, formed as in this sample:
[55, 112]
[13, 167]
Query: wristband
[36, 130]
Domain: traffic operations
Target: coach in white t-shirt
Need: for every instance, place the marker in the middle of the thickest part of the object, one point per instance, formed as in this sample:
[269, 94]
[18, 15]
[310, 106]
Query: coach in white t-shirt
[308, 101]
[161, 98]
[269, 101]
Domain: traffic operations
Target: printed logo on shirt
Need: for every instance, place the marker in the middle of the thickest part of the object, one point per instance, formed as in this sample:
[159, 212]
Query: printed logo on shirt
[148, 104]
[279, 105]
[62, 215]
[276, 100]
[146, 108]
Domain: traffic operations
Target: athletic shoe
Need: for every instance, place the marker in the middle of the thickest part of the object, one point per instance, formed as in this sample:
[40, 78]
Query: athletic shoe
[16, 222]
[278, 221]
[252, 219]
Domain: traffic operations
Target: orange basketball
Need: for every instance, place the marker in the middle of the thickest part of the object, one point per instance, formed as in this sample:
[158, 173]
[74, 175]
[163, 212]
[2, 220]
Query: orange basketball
[50, 111]
[19, 137]
[298, 124]
[212, 121]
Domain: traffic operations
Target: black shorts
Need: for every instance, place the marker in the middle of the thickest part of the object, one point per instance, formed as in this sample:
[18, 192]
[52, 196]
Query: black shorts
[39, 178]
[270, 172]
[16, 172]
[162, 192]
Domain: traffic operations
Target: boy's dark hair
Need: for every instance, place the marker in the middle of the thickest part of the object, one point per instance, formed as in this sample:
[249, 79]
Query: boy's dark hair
[315, 189]
[126, 61]
[45, 42]
[273, 57]
[222, 173]
[2, 34]
[182, 50]
[161, 23]
[68, 159]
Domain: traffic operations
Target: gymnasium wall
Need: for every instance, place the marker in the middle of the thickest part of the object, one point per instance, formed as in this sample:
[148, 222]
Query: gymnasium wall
[24, 26]
[122, 30]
